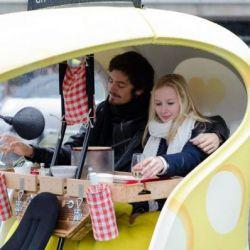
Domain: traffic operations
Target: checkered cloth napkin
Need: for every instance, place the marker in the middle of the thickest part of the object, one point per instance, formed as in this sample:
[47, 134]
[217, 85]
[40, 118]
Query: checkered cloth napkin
[75, 97]
[5, 208]
[102, 212]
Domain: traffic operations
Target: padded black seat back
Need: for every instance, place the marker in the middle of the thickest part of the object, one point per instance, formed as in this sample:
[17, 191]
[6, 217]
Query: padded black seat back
[37, 224]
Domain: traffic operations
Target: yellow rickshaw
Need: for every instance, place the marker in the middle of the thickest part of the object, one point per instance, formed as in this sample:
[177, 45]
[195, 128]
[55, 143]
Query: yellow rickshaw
[209, 208]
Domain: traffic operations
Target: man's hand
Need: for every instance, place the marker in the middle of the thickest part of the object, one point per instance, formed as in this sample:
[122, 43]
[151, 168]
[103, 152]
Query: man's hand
[149, 167]
[207, 142]
[14, 144]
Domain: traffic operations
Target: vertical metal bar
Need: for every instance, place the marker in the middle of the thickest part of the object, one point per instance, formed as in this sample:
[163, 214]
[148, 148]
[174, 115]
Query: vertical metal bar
[90, 89]
[90, 80]
[83, 153]
[59, 143]
[62, 72]
[60, 243]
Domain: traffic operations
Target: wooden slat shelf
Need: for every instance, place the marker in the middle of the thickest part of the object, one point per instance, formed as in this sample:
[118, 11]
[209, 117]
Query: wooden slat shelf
[133, 192]
[71, 189]
[52, 184]
[14, 181]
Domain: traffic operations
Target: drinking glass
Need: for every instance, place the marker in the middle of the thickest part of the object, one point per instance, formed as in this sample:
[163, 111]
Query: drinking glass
[7, 159]
[136, 158]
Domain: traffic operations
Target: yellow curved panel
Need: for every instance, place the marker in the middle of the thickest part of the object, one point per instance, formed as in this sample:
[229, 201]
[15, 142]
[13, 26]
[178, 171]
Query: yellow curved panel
[39, 38]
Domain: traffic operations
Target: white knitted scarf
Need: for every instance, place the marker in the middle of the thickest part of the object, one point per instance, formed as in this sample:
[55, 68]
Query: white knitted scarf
[159, 130]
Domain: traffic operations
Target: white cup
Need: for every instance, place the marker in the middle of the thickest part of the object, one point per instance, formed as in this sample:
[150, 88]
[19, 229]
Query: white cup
[104, 178]
[25, 169]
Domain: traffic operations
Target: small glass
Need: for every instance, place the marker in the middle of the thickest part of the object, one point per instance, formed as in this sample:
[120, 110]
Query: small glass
[7, 159]
[137, 158]
[2, 165]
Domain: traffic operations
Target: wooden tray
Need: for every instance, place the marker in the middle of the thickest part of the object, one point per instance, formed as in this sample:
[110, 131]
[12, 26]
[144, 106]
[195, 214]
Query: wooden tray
[71, 189]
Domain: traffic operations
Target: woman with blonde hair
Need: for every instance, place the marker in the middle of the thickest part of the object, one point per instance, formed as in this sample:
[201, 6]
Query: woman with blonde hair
[173, 122]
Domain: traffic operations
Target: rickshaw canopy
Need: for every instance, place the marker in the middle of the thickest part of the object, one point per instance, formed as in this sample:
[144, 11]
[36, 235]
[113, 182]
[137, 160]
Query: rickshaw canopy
[44, 37]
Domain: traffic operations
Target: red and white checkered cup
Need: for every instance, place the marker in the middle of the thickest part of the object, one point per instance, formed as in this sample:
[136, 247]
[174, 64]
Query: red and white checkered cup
[102, 212]
[5, 208]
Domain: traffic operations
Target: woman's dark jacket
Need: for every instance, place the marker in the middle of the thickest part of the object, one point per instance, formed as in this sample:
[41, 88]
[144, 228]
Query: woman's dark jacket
[180, 164]
[115, 124]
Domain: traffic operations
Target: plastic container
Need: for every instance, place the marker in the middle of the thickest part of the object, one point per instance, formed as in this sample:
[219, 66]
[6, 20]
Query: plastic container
[104, 178]
[6, 160]
[63, 171]
[25, 169]
[101, 159]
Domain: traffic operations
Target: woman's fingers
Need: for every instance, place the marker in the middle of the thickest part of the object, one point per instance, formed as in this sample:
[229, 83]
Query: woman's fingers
[151, 173]
[151, 167]
[209, 149]
[138, 167]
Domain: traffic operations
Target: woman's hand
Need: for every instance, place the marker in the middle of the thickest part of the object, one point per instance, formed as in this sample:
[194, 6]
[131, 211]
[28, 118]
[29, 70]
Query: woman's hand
[149, 167]
[14, 144]
[207, 142]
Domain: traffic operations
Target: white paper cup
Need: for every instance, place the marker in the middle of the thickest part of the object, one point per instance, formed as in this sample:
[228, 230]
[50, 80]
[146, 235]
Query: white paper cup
[104, 178]
[23, 169]
[63, 171]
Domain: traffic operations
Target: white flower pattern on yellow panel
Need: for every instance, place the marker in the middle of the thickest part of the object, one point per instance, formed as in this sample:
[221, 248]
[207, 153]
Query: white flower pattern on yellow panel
[224, 201]
[173, 234]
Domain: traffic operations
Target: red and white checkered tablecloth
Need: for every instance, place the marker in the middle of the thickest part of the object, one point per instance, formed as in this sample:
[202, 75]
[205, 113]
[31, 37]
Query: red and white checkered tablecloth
[102, 212]
[75, 97]
[5, 208]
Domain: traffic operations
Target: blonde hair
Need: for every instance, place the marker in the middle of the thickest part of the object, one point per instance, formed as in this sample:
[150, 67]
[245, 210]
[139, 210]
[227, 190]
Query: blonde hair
[187, 106]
